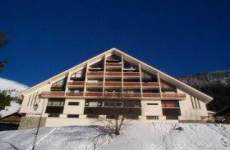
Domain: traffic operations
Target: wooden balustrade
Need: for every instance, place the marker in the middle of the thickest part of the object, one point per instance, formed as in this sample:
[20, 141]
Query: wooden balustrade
[95, 73]
[107, 83]
[76, 83]
[110, 73]
[131, 83]
[131, 74]
[151, 94]
[155, 84]
[165, 96]
[113, 65]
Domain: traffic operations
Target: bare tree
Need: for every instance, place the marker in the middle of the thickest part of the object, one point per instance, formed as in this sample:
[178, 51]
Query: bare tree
[118, 115]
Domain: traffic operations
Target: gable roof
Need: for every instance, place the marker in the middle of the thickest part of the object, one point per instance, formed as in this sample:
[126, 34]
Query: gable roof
[200, 95]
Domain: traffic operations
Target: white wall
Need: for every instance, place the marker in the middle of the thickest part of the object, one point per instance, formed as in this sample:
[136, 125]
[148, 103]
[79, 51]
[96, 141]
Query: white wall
[190, 113]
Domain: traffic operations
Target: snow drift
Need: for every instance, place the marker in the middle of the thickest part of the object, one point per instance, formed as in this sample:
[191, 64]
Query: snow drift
[134, 136]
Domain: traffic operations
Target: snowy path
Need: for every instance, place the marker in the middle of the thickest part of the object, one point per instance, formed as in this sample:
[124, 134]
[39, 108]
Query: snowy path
[135, 136]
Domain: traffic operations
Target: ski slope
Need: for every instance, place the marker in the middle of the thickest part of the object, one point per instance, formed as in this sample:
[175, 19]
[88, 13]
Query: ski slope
[134, 136]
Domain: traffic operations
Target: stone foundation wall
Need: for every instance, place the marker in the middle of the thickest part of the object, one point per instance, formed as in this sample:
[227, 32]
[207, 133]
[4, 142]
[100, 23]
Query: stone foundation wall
[31, 122]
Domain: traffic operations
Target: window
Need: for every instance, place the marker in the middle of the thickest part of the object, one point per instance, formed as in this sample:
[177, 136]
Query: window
[55, 107]
[72, 116]
[56, 102]
[73, 103]
[53, 115]
[135, 104]
[92, 116]
[152, 117]
[152, 103]
[113, 104]
[171, 114]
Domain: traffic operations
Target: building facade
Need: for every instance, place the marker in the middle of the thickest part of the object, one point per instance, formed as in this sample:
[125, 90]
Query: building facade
[110, 84]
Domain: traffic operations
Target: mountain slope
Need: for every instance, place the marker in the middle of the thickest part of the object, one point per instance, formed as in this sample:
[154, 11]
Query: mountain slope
[11, 87]
[134, 136]
[215, 84]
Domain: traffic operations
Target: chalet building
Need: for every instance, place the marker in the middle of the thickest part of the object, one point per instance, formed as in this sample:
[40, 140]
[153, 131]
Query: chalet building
[109, 84]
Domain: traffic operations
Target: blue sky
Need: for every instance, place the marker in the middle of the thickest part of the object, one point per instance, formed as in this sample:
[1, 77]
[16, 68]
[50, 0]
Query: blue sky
[178, 37]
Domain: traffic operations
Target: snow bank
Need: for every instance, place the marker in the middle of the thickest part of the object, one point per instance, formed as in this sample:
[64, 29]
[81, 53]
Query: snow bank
[134, 136]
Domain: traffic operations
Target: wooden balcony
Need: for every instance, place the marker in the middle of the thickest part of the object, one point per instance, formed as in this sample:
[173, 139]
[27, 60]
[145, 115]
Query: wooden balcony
[150, 85]
[96, 84]
[131, 74]
[95, 74]
[57, 88]
[113, 74]
[53, 94]
[152, 95]
[113, 110]
[117, 95]
[110, 60]
[175, 96]
[72, 94]
[113, 64]
[112, 84]
[76, 84]
[131, 85]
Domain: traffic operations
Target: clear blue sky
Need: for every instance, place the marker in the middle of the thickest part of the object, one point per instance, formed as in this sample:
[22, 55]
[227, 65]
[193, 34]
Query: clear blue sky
[178, 37]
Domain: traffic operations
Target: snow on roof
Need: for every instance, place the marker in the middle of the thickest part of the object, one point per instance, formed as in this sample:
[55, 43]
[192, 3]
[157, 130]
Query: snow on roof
[13, 108]
[12, 88]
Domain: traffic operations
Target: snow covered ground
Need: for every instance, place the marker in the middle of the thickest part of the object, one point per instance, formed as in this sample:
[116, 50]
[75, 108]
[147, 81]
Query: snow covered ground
[134, 136]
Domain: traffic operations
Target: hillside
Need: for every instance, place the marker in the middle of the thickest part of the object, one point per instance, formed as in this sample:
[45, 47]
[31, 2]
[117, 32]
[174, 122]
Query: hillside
[135, 136]
[216, 84]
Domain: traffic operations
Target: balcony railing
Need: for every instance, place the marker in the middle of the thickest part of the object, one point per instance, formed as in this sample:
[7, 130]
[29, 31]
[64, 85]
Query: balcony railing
[151, 95]
[53, 94]
[113, 84]
[79, 94]
[57, 88]
[173, 96]
[56, 94]
[150, 84]
[131, 84]
[96, 84]
[113, 73]
[113, 65]
[131, 74]
[95, 73]
[78, 83]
